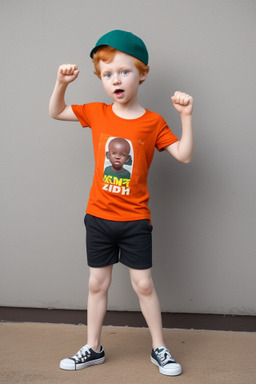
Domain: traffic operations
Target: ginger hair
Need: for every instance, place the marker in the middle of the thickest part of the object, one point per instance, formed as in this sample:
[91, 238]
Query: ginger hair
[107, 54]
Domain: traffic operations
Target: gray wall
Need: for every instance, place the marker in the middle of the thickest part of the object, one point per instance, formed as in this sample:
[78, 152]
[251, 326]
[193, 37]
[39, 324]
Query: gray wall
[203, 213]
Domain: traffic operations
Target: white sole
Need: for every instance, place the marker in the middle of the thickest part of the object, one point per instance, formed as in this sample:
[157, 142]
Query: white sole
[70, 365]
[175, 371]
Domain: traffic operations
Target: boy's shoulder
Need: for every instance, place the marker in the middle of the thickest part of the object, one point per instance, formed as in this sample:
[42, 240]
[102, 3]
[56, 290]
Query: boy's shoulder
[92, 107]
[155, 115]
[92, 104]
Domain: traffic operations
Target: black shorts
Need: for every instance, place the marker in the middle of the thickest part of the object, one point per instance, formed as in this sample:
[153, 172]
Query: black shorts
[109, 242]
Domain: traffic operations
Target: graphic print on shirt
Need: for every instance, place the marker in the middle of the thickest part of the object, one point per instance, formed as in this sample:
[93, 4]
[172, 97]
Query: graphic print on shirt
[119, 157]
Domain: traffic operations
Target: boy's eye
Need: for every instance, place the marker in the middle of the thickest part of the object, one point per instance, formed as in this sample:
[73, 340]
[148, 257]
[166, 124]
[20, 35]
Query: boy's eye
[125, 72]
[107, 75]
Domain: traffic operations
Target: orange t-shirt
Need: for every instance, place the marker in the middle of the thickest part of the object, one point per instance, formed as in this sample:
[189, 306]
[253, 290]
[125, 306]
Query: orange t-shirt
[123, 151]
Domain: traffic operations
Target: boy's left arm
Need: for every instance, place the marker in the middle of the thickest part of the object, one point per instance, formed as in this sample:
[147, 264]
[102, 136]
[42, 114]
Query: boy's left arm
[182, 150]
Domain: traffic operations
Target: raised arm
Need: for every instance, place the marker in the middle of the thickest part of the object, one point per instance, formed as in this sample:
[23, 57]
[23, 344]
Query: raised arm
[183, 150]
[57, 107]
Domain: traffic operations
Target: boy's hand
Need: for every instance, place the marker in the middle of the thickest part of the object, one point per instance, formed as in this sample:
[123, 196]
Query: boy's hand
[67, 73]
[183, 103]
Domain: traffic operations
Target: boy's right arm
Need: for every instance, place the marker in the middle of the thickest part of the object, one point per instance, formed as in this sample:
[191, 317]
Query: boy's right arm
[57, 107]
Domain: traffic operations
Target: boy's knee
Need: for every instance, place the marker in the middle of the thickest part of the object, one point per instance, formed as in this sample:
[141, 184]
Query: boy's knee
[144, 287]
[97, 285]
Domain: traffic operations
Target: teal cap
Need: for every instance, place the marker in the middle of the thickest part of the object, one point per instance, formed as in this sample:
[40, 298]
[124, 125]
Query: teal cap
[125, 42]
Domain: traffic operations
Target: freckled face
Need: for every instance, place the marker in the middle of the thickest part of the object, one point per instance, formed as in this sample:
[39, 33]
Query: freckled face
[118, 154]
[120, 78]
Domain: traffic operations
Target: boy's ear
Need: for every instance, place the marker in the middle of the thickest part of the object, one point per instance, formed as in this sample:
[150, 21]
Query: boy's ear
[107, 155]
[143, 76]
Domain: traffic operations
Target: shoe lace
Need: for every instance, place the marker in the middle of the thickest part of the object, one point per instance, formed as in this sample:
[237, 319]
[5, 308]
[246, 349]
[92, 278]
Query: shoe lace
[165, 356]
[83, 354]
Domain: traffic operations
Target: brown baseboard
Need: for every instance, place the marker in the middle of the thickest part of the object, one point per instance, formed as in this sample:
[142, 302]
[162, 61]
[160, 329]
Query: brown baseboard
[132, 319]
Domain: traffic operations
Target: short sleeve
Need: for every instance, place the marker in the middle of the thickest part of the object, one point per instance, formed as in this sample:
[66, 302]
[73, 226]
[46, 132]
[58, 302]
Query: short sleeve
[86, 113]
[165, 137]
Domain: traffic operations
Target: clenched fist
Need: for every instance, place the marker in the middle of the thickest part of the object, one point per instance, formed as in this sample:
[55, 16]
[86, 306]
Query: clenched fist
[183, 103]
[67, 73]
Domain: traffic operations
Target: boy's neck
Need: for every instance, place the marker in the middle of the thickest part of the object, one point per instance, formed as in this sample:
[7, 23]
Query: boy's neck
[128, 112]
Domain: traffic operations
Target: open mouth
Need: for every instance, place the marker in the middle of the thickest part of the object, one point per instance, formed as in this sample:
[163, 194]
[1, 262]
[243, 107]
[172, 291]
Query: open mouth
[119, 92]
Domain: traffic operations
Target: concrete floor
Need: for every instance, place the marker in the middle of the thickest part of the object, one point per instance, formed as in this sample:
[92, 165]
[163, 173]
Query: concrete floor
[30, 353]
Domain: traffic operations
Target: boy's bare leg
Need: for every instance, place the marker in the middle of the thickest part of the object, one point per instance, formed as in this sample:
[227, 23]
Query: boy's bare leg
[144, 287]
[99, 283]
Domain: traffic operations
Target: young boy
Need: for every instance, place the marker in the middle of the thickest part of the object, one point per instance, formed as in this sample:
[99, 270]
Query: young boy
[118, 226]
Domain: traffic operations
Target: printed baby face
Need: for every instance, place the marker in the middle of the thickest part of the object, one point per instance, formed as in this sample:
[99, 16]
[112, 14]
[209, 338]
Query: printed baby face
[118, 154]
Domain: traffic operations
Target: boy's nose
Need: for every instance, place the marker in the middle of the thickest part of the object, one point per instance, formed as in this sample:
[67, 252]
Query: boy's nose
[116, 79]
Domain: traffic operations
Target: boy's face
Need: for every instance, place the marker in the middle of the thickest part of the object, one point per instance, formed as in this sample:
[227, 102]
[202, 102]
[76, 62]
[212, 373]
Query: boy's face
[118, 153]
[121, 78]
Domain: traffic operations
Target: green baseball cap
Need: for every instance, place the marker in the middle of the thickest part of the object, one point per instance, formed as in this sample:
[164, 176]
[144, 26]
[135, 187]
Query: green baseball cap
[125, 42]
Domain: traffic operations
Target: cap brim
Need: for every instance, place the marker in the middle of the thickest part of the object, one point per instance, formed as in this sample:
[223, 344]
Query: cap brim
[95, 49]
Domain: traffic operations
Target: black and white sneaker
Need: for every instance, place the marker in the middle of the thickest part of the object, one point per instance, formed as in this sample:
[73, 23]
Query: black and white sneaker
[84, 358]
[166, 363]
